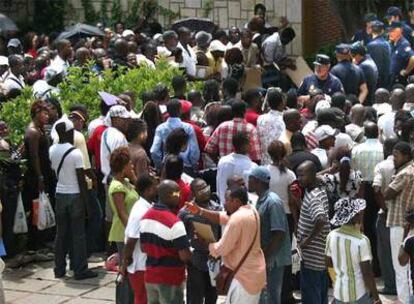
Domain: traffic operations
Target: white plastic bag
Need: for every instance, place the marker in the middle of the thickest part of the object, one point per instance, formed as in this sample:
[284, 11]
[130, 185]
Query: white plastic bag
[20, 222]
[296, 256]
[46, 215]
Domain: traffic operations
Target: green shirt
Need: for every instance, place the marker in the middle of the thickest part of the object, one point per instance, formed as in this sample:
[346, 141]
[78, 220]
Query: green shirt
[117, 232]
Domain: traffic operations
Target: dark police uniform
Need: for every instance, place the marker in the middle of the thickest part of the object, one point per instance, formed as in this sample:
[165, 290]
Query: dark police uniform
[370, 71]
[380, 51]
[350, 75]
[362, 36]
[329, 86]
[401, 54]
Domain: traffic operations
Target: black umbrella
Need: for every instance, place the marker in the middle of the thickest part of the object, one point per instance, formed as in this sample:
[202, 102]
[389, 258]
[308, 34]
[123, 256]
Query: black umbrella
[81, 30]
[6, 24]
[195, 24]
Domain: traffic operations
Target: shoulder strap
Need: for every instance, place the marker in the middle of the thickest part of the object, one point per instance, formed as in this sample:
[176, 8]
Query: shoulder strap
[16, 81]
[63, 158]
[105, 137]
[251, 245]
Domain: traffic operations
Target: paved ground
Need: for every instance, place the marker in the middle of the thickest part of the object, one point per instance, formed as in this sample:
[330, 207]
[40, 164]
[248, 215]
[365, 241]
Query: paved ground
[36, 284]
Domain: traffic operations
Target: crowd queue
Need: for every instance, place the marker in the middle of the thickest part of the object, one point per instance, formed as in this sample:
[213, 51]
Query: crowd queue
[226, 182]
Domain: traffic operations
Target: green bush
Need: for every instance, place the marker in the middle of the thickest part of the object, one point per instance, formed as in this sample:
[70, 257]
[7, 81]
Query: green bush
[81, 87]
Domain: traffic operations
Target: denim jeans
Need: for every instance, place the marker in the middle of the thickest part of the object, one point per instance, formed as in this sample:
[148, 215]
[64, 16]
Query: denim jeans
[313, 285]
[412, 299]
[199, 289]
[164, 294]
[272, 294]
[70, 233]
[124, 294]
[365, 299]
[94, 235]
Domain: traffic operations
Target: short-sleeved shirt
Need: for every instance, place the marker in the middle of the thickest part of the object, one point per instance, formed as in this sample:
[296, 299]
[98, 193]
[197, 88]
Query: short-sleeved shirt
[383, 175]
[132, 231]
[272, 219]
[94, 144]
[329, 86]
[351, 76]
[279, 184]
[403, 184]
[332, 183]
[348, 247]
[380, 50]
[409, 248]
[401, 52]
[314, 206]
[112, 138]
[370, 70]
[162, 235]
[117, 232]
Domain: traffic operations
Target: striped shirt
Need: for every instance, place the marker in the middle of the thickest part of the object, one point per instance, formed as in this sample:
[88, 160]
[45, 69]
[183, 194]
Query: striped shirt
[348, 247]
[162, 236]
[314, 205]
[366, 156]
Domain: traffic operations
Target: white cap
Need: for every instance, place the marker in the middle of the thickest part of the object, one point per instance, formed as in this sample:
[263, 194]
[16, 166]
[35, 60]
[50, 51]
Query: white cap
[217, 45]
[127, 33]
[68, 127]
[322, 104]
[323, 132]
[4, 60]
[116, 111]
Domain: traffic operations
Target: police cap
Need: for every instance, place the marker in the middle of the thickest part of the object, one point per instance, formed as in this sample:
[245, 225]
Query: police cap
[322, 59]
[395, 24]
[370, 17]
[343, 49]
[393, 11]
[377, 25]
[358, 48]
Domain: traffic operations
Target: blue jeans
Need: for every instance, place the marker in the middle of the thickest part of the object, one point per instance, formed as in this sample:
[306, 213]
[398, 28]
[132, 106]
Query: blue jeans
[94, 235]
[273, 291]
[412, 299]
[365, 299]
[313, 285]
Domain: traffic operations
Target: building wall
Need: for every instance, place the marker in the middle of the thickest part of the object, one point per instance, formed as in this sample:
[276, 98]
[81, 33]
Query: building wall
[17, 9]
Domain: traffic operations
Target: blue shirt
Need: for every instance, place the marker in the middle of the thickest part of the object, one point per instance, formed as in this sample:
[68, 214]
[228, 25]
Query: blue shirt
[329, 86]
[350, 75]
[273, 218]
[380, 51]
[370, 70]
[401, 54]
[190, 156]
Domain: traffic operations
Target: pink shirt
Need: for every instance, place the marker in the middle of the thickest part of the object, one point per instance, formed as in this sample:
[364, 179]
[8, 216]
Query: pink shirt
[237, 237]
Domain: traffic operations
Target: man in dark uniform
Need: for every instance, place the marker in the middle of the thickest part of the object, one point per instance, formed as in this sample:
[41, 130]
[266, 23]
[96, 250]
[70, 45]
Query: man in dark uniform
[380, 50]
[410, 22]
[402, 56]
[365, 35]
[349, 74]
[394, 15]
[368, 67]
[321, 79]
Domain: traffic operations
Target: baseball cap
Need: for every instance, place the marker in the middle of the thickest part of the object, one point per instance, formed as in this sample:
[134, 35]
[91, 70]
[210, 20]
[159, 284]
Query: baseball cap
[322, 59]
[14, 43]
[127, 33]
[261, 173]
[343, 49]
[393, 11]
[358, 48]
[108, 99]
[217, 46]
[185, 106]
[323, 132]
[4, 60]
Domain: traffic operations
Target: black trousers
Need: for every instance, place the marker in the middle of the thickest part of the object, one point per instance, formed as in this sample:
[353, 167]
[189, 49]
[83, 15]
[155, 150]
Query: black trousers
[287, 286]
[199, 289]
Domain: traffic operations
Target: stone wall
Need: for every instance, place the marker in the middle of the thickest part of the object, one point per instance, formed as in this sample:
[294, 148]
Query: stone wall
[17, 9]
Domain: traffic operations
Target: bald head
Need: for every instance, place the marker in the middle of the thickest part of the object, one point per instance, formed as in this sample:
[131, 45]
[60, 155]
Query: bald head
[235, 181]
[382, 95]
[409, 93]
[307, 173]
[292, 120]
[371, 130]
[169, 193]
[397, 99]
[358, 114]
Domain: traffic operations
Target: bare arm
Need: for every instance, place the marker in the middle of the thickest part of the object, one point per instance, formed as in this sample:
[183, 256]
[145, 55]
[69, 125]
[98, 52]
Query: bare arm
[369, 280]
[390, 194]
[379, 198]
[80, 174]
[185, 255]
[410, 66]
[34, 137]
[212, 216]
[119, 202]
[274, 244]
[128, 251]
[317, 229]
[403, 257]
[363, 93]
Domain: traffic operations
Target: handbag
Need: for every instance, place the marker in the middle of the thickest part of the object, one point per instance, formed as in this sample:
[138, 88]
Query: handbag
[226, 275]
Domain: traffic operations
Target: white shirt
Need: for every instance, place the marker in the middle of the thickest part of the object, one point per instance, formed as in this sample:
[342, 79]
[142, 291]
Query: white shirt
[67, 179]
[229, 165]
[386, 125]
[41, 89]
[142, 60]
[322, 155]
[112, 138]
[279, 184]
[12, 82]
[94, 124]
[60, 65]
[270, 127]
[343, 140]
[189, 59]
[272, 49]
[382, 108]
[132, 231]
[383, 174]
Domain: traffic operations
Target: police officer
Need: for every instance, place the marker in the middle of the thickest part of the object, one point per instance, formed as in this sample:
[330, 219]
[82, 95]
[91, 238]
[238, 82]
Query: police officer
[410, 22]
[402, 56]
[394, 15]
[321, 79]
[349, 74]
[365, 35]
[380, 50]
[368, 67]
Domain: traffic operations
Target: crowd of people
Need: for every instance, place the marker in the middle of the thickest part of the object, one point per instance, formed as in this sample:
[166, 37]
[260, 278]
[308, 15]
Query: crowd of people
[228, 178]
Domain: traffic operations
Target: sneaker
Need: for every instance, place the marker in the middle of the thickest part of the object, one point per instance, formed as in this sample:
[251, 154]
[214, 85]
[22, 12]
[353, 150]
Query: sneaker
[89, 274]
[59, 275]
